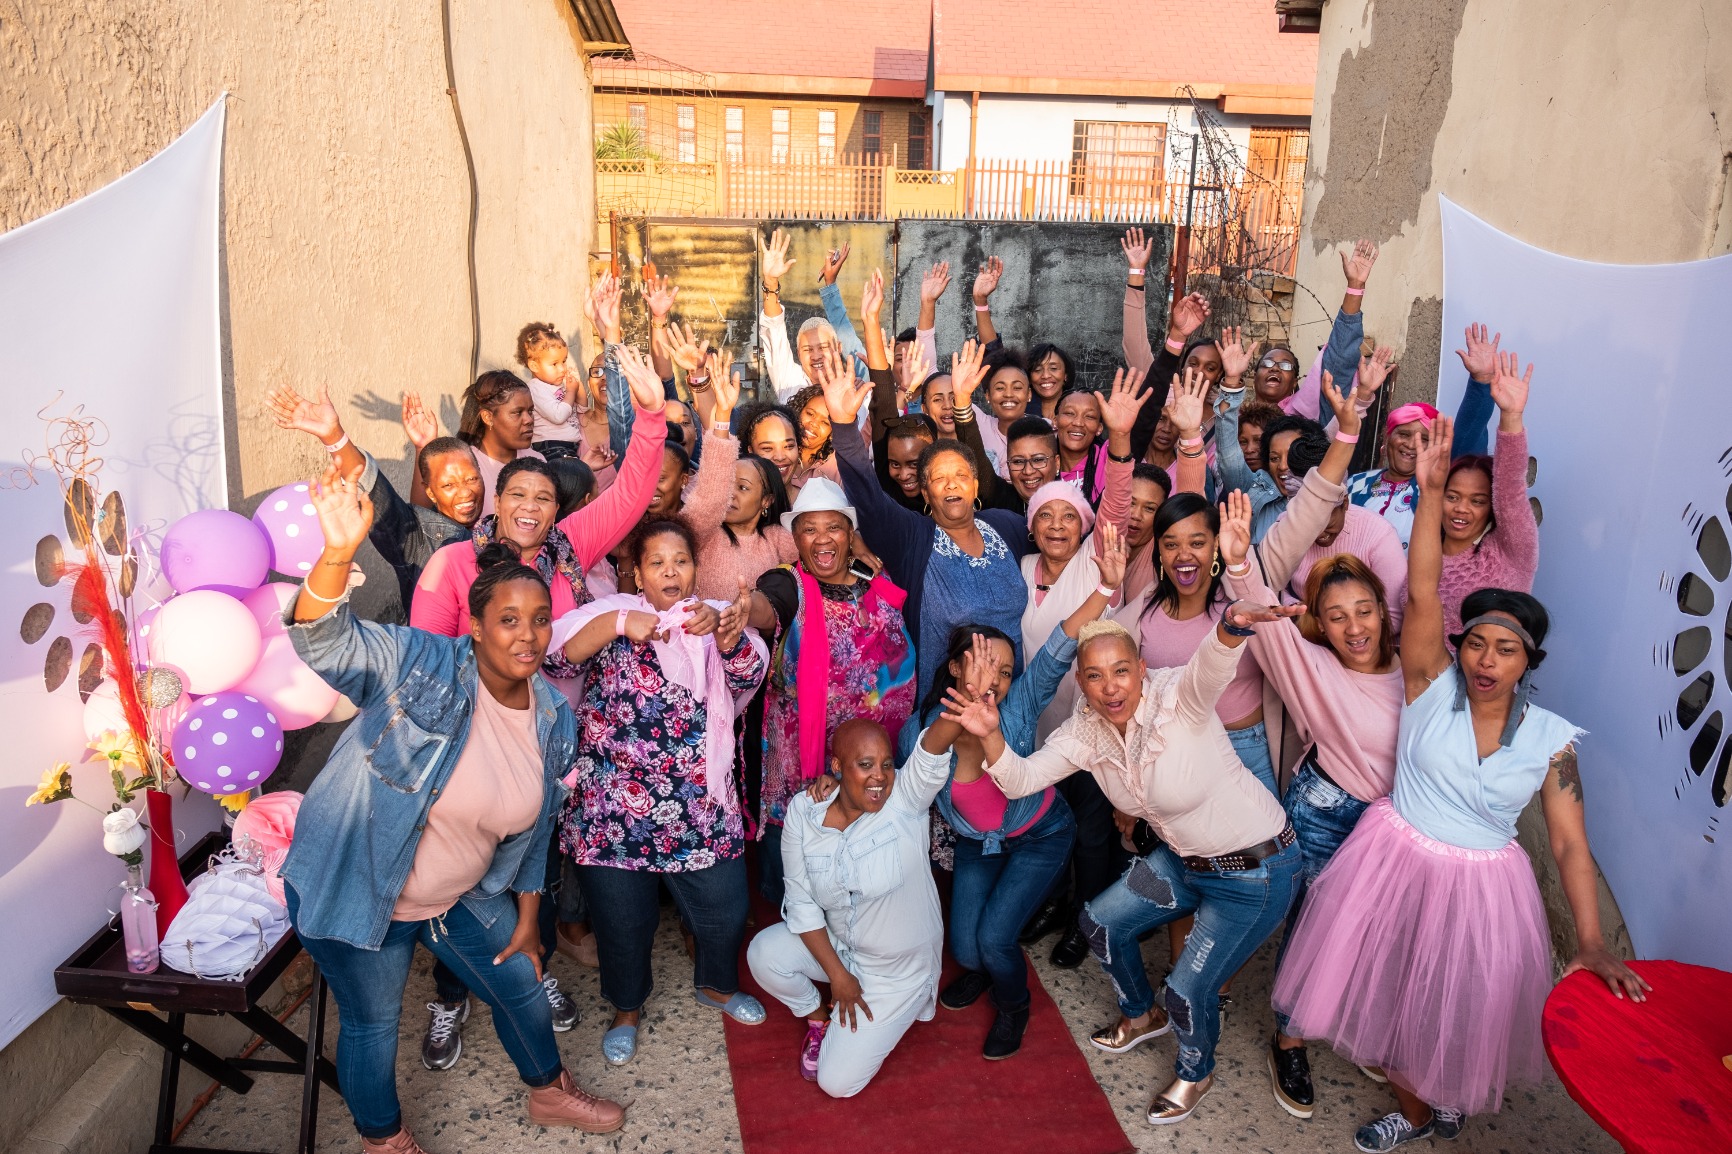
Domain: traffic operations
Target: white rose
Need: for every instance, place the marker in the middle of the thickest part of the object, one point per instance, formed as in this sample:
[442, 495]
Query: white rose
[121, 832]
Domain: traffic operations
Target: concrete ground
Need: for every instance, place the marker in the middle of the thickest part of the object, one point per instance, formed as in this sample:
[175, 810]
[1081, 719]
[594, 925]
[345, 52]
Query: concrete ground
[681, 1093]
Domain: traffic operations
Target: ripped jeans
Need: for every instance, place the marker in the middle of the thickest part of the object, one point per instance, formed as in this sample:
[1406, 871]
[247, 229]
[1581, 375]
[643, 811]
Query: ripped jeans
[1235, 912]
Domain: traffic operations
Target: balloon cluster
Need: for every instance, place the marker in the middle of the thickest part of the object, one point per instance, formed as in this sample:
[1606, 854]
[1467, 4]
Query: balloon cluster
[223, 675]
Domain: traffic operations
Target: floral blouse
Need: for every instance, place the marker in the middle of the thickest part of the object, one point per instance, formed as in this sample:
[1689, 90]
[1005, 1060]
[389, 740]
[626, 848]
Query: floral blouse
[640, 798]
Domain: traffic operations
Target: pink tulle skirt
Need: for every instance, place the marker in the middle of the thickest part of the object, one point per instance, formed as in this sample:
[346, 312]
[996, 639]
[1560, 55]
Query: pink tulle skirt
[1426, 959]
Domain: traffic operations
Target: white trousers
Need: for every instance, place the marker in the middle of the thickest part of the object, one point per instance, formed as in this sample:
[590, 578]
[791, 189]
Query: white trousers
[848, 1059]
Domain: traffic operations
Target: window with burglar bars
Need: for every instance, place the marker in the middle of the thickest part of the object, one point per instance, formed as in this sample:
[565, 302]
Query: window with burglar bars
[779, 136]
[688, 133]
[827, 135]
[734, 128]
[1109, 157]
[872, 133]
[917, 139]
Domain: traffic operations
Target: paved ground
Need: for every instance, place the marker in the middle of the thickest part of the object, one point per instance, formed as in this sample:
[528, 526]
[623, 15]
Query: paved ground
[681, 1092]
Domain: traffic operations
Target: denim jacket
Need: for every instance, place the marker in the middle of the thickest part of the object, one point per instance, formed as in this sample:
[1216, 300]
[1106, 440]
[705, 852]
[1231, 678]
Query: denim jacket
[1018, 717]
[358, 828]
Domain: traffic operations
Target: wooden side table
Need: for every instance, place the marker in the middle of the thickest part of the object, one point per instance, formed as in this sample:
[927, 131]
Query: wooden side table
[156, 1005]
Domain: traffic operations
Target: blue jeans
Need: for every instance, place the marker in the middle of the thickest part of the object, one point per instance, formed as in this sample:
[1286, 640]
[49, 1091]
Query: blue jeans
[993, 895]
[1235, 911]
[1323, 814]
[369, 984]
[1252, 746]
[562, 902]
[625, 909]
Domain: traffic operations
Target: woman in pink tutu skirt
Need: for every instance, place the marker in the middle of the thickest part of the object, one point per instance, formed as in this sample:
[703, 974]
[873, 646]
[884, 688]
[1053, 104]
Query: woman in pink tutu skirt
[1423, 948]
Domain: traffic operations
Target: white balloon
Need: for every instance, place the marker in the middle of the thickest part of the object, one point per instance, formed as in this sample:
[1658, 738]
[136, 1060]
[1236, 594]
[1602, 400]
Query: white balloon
[210, 638]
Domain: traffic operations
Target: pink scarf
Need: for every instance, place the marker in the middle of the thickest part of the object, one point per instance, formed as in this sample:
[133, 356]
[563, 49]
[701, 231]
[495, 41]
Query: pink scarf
[812, 673]
[694, 664]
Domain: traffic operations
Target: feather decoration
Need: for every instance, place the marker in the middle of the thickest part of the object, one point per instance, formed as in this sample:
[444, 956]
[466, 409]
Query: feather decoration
[90, 589]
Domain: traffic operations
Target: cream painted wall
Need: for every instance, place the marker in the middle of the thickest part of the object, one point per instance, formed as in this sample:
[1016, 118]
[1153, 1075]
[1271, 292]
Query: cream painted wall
[1600, 132]
[346, 196]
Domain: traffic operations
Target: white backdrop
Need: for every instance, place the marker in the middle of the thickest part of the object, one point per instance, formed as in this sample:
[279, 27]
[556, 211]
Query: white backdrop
[111, 302]
[1630, 421]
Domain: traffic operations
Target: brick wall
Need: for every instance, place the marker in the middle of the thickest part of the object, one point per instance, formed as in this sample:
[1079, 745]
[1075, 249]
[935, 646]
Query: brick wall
[708, 117]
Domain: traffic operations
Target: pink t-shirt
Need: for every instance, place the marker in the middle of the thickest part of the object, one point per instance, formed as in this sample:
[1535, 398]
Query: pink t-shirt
[1169, 644]
[982, 804]
[495, 790]
[490, 470]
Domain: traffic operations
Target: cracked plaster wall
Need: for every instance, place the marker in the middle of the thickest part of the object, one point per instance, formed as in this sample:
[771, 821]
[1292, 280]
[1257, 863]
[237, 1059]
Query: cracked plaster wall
[1602, 132]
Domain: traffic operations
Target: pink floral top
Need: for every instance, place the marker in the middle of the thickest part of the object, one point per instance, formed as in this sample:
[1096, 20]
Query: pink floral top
[640, 798]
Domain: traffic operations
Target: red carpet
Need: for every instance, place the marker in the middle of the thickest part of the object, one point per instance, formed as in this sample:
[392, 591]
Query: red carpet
[935, 1092]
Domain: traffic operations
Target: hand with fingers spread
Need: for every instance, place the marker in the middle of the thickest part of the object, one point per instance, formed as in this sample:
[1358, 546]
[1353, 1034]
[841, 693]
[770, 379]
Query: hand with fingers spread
[872, 299]
[933, 284]
[1235, 535]
[1187, 400]
[844, 394]
[345, 513]
[1114, 554]
[1432, 469]
[604, 308]
[1619, 978]
[915, 370]
[1247, 613]
[659, 293]
[419, 420]
[848, 1000]
[1189, 314]
[773, 259]
[317, 416]
[1480, 356]
[978, 716]
[1373, 372]
[1236, 357]
[732, 623]
[719, 365]
[640, 375]
[1356, 265]
[979, 670]
[967, 370]
[833, 262]
[1348, 415]
[986, 280]
[684, 348]
[1137, 249]
[1510, 391]
[1121, 403]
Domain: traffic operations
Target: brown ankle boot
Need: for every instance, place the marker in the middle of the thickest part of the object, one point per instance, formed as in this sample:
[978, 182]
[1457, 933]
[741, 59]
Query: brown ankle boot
[564, 1103]
[398, 1143]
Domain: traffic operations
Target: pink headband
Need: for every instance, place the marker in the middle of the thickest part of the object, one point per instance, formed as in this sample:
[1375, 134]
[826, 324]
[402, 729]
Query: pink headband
[1061, 491]
[1407, 414]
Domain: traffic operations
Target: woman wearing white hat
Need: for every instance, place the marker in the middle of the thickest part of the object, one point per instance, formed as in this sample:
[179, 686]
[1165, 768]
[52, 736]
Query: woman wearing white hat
[840, 638]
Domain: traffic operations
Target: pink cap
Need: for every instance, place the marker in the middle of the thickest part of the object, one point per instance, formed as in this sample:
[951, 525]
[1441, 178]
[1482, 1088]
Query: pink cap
[1061, 491]
[1407, 414]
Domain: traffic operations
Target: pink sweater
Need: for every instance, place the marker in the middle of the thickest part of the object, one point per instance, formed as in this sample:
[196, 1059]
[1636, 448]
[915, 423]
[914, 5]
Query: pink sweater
[1509, 555]
[441, 603]
[1289, 550]
[1352, 717]
[721, 562]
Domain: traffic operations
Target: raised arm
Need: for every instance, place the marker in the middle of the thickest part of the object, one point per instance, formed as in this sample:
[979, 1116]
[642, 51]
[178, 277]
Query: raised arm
[932, 287]
[836, 310]
[892, 532]
[967, 369]
[786, 378]
[1340, 357]
[1282, 653]
[599, 526]
[1229, 458]
[421, 425]
[1139, 354]
[1188, 315]
[1473, 415]
[1185, 405]
[317, 418]
[1015, 775]
[1424, 650]
[659, 293]
[985, 284]
[1517, 535]
[1120, 408]
[707, 501]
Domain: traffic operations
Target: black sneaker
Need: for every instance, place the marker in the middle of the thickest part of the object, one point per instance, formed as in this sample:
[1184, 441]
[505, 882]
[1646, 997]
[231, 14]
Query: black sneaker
[564, 1009]
[1050, 918]
[443, 1044]
[1290, 1078]
[1005, 1037]
[1071, 949]
[1445, 1123]
[1390, 1131]
[964, 991]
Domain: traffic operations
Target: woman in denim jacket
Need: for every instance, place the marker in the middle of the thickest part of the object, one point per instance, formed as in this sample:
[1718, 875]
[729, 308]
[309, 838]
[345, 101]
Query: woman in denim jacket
[430, 822]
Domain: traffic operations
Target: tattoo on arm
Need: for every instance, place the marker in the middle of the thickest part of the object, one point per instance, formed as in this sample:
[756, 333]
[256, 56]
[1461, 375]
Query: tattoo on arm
[1569, 773]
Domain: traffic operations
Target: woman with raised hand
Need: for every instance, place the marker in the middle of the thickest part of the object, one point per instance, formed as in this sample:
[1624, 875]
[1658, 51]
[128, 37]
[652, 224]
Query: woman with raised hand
[861, 911]
[1490, 536]
[744, 537]
[430, 823]
[653, 797]
[1153, 741]
[842, 651]
[959, 563]
[562, 552]
[1337, 675]
[1423, 947]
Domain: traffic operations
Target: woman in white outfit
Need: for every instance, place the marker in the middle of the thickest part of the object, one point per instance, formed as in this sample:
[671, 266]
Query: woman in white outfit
[861, 912]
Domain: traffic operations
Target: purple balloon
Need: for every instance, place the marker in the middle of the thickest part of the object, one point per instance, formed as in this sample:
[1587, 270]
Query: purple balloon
[291, 526]
[214, 548]
[227, 743]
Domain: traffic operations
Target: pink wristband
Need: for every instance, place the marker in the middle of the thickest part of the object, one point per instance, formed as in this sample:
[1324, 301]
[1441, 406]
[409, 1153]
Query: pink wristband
[619, 623]
[1175, 347]
[1190, 443]
[1106, 591]
[982, 308]
[1347, 438]
[1242, 569]
[1353, 292]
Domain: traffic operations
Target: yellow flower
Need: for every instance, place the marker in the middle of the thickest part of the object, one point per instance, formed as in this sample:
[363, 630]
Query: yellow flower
[234, 802]
[56, 785]
[117, 749]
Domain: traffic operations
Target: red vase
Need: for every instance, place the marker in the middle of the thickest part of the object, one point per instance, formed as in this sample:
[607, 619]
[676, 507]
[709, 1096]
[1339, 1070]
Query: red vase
[165, 880]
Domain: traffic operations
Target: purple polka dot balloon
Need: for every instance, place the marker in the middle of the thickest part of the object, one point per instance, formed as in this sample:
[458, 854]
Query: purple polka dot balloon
[291, 525]
[227, 743]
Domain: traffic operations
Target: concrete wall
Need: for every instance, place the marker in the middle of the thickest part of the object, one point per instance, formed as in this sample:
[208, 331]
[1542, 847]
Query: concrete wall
[1603, 133]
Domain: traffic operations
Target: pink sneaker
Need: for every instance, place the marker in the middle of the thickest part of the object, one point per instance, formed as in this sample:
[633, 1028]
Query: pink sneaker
[809, 1050]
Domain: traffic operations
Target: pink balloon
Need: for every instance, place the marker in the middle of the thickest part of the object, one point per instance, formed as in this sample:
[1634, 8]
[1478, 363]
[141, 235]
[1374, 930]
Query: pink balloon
[268, 603]
[291, 525]
[298, 696]
[214, 548]
[209, 638]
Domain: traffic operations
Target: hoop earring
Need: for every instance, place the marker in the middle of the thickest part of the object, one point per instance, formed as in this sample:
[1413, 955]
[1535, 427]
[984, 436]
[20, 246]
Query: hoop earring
[1215, 569]
[977, 504]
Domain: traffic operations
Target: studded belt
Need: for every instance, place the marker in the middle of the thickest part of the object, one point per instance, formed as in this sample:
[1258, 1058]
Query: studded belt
[1246, 858]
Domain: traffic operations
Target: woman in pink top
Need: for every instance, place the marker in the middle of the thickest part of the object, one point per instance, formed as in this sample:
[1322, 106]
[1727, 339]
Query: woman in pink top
[528, 499]
[1490, 537]
[498, 422]
[1337, 675]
